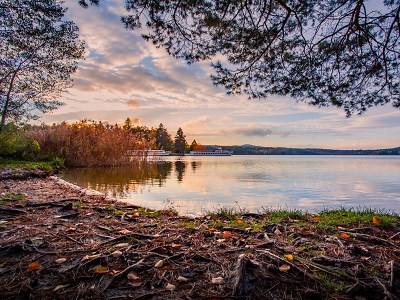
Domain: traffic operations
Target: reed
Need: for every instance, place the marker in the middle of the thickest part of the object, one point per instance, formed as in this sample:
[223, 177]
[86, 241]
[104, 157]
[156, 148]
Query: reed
[87, 143]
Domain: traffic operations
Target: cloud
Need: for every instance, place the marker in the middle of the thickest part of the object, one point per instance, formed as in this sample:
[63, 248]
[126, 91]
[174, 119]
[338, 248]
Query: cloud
[132, 103]
[197, 124]
[251, 130]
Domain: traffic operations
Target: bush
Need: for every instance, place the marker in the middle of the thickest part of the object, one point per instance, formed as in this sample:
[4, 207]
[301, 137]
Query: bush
[14, 144]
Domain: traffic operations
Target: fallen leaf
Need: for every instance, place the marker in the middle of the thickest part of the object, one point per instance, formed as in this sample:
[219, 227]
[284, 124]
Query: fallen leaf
[101, 270]
[59, 287]
[60, 260]
[170, 287]
[121, 245]
[212, 229]
[34, 266]
[204, 227]
[218, 280]
[135, 282]
[345, 236]
[70, 229]
[132, 276]
[376, 220]
[159, 264]
[171, 214]
[173, 245]
[116, 254]
[218, 221]
[135, 215]
[227, 234]
[221, 240]
[88, 257]
[125, 231]
[182, 279]
[284, 268]
[277, 232]
[238, 222]
[316, 218]
[289, 257]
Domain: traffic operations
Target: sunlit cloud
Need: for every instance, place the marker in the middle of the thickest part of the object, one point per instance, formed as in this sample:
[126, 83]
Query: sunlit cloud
[125, 76]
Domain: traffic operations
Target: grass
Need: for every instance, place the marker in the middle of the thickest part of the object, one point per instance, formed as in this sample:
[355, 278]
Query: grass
[357, 217]
[276, 216]
[30, 165]
[11, 197]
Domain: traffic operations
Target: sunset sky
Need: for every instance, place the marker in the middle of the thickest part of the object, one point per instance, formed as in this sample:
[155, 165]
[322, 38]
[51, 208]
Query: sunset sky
[124, 76]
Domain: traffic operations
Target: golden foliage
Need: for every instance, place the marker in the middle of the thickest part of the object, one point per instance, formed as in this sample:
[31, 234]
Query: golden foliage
[88, 143]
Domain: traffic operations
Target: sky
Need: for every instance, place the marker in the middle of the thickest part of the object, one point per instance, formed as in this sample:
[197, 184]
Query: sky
[125, 76]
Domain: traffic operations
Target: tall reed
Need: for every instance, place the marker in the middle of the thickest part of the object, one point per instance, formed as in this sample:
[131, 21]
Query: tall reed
[88, 143]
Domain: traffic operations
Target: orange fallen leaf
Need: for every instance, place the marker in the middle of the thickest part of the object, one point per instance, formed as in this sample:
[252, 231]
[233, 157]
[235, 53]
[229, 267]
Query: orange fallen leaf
[176, 245]
[289, 257]
[345, 236]
[376, 220]
[239, 222]
[218, 220]
[101, 270]
[316, 218]
[212, 229]
[171, 214]
[34, 266]
[227, 234]
[284, 268]
[134, 215]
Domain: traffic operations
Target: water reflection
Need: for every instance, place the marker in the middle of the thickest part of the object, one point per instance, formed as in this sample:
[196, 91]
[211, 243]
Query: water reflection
[197, 184]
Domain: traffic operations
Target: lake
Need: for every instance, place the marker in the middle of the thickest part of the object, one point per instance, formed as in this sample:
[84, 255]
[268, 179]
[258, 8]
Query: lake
[194, 185]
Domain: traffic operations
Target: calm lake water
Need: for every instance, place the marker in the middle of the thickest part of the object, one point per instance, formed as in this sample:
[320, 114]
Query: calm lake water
[193, 185]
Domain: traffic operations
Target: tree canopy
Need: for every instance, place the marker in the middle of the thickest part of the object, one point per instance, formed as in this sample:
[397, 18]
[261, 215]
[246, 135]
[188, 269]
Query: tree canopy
[342, 53]
[39, 51]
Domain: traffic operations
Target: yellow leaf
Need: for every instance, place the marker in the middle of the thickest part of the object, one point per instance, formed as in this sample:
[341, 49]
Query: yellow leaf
[101, 269]
[376, 220]
[284, 268]
[34, 266]
[289, 257]
[227, 234]
[345, 236]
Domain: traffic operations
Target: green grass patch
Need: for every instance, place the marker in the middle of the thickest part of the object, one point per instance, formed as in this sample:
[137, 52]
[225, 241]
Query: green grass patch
[357, 217]
[30, 165]
[277, 216]
[11, 197]
[226, 213]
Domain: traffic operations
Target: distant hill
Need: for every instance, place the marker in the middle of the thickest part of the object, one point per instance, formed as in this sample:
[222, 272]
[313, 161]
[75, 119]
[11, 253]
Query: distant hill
[259, 150]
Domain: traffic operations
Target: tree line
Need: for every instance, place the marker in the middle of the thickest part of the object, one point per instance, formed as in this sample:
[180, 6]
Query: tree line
[159, 138]
[88, 143]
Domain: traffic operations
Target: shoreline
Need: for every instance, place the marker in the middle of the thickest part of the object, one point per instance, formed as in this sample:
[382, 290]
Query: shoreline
[59, 241]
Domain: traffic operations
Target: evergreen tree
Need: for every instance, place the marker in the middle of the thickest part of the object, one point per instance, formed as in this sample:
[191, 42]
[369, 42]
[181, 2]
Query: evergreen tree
[180, 141]
[327, 53]
[163, 138]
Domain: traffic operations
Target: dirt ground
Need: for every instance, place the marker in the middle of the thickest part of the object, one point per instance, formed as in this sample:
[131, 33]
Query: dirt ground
[59, 242]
